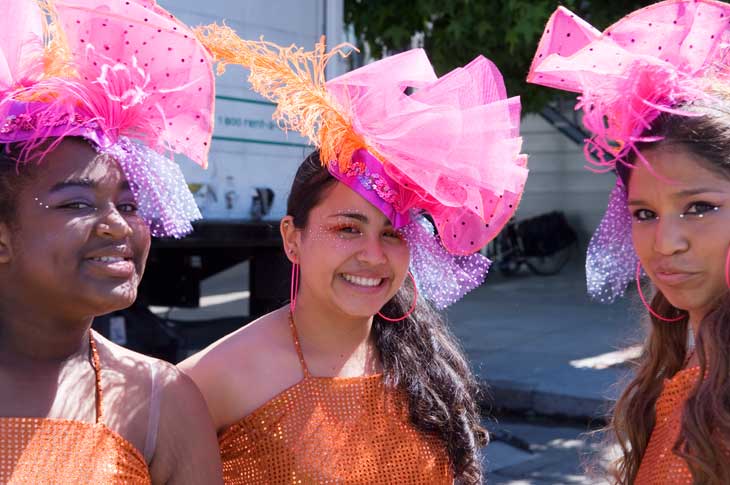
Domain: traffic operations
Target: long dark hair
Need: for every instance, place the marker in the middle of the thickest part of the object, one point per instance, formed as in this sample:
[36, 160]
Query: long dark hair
[705, 424]
[419, 354]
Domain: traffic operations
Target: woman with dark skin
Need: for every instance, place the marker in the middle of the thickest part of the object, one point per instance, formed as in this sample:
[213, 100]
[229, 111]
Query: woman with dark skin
[83, 117]
[72, 247]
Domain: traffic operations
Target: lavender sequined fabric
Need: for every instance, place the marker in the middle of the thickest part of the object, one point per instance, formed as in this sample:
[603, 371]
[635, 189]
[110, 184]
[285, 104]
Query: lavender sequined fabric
[611, 260]
[159, 187]
[441, 277]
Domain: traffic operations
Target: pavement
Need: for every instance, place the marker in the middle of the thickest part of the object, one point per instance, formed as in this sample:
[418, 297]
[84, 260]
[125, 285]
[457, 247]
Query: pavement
[543, 347]
[557, 454]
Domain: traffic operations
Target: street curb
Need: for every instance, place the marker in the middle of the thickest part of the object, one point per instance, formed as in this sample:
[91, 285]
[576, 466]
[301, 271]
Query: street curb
[509, 396]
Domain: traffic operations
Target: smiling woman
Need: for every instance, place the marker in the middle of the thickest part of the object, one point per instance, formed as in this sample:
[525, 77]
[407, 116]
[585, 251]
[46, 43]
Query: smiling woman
[358, 380]
[79, 200]
[84, 196]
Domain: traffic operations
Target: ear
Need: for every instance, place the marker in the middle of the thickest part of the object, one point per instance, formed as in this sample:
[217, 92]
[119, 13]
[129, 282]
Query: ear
[292, 238]
[6, 252]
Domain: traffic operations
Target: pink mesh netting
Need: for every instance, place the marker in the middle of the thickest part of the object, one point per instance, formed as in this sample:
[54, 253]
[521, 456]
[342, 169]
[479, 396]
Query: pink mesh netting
[650, 61]
[452, 145]
[150, 67]
[111, 72]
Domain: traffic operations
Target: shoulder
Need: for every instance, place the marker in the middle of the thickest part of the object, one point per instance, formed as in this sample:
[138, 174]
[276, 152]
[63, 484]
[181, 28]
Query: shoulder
[137, 371]
[245, 368]
[186, 449]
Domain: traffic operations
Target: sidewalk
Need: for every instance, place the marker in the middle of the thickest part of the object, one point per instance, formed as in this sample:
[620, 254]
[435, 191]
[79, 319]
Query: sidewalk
[543, 346]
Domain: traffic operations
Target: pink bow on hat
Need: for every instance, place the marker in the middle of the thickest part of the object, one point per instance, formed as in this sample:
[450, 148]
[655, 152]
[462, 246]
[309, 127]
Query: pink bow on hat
[110, 71]
[649, 62]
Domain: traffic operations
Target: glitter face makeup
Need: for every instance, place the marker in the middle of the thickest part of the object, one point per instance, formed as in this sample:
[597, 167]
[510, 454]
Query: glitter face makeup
[98, 263]
[352, 260]
[681, 231]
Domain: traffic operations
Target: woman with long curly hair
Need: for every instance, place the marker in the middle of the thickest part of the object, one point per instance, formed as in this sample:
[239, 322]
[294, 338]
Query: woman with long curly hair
[656, 99]
[358, 380]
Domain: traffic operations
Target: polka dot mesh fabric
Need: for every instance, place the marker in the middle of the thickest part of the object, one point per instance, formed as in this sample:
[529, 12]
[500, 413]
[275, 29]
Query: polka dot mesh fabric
[159, 188]
[660, 466]
[332, 431]
[39, 451]
[611, 259]
[112, 72]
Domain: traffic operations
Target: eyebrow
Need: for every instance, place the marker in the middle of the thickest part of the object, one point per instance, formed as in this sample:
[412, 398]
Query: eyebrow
[358, 217]
[681, 194]
[84, 183]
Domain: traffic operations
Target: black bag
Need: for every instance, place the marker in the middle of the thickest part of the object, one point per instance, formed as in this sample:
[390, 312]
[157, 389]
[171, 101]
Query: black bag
[545, 235]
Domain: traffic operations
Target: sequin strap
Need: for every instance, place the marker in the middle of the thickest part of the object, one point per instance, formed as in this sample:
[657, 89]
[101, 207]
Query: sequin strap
[97, 372]
[295, 337]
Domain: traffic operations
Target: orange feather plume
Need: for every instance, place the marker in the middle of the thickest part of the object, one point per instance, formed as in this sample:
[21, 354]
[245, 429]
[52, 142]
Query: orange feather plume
[294, 79]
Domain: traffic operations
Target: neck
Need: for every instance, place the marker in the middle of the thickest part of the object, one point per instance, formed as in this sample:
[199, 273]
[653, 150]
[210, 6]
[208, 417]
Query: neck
[330, 331]
[695, 320]
[30, 333]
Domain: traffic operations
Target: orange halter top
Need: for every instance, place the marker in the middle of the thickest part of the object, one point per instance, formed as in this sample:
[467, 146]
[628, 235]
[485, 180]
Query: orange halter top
[334, 430]
[39, 451]
[659, 464]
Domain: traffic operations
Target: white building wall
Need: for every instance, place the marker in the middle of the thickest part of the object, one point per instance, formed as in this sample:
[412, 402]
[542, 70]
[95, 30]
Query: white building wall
[248, 149]
[558, 178]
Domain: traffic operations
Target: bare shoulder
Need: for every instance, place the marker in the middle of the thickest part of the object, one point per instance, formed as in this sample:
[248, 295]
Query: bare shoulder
[239, 372]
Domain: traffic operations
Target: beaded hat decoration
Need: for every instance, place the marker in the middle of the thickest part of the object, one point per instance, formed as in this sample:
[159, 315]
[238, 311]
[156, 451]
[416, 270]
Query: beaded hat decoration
[125, 75]
[406, 140]
[654, 60]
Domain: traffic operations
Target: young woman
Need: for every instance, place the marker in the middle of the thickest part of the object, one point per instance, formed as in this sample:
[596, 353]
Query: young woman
[359, 380]
[78, 201]
[669, 134]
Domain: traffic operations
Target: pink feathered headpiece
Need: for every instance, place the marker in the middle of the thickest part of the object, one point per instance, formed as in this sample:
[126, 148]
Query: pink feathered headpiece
[407, 141]
[110, 71]
[654, 60]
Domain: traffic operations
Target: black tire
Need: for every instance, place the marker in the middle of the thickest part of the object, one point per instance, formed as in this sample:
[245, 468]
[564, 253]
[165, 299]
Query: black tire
[550, 265]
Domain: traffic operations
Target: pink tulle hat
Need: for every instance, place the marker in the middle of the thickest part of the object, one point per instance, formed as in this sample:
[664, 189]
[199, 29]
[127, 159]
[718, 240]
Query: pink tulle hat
[406, 140]
[655, 60]
[123, 74]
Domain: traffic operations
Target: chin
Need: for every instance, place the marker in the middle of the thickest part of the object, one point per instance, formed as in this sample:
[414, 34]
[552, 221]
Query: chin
[111, 301]
[366, 310]
[686, 302]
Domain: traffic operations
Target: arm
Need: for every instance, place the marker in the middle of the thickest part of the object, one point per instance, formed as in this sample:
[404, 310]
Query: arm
[187, 448]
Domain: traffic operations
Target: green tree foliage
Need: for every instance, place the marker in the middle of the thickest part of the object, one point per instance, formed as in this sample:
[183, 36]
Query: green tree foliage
[456, 31]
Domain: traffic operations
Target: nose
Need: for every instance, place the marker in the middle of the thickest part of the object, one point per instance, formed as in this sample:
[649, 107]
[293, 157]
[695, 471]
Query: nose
[669, 237]
[372, 251]
[113, 225]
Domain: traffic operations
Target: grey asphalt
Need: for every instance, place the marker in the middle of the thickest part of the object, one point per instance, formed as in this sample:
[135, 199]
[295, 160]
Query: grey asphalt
[543, 347]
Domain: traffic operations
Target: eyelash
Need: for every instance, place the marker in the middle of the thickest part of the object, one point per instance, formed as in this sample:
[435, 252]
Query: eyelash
[80, 205]
[644, 215]
[345, 229]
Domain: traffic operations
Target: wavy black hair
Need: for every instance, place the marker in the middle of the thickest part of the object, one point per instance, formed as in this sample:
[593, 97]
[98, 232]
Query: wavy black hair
[420, 356]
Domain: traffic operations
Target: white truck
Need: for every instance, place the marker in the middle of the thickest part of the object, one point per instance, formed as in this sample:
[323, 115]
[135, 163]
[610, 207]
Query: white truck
[242, 195]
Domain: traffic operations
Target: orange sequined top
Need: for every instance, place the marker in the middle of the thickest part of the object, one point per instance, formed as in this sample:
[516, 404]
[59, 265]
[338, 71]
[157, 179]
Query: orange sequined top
[660, 465]
[332, 430]
[39, 451]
